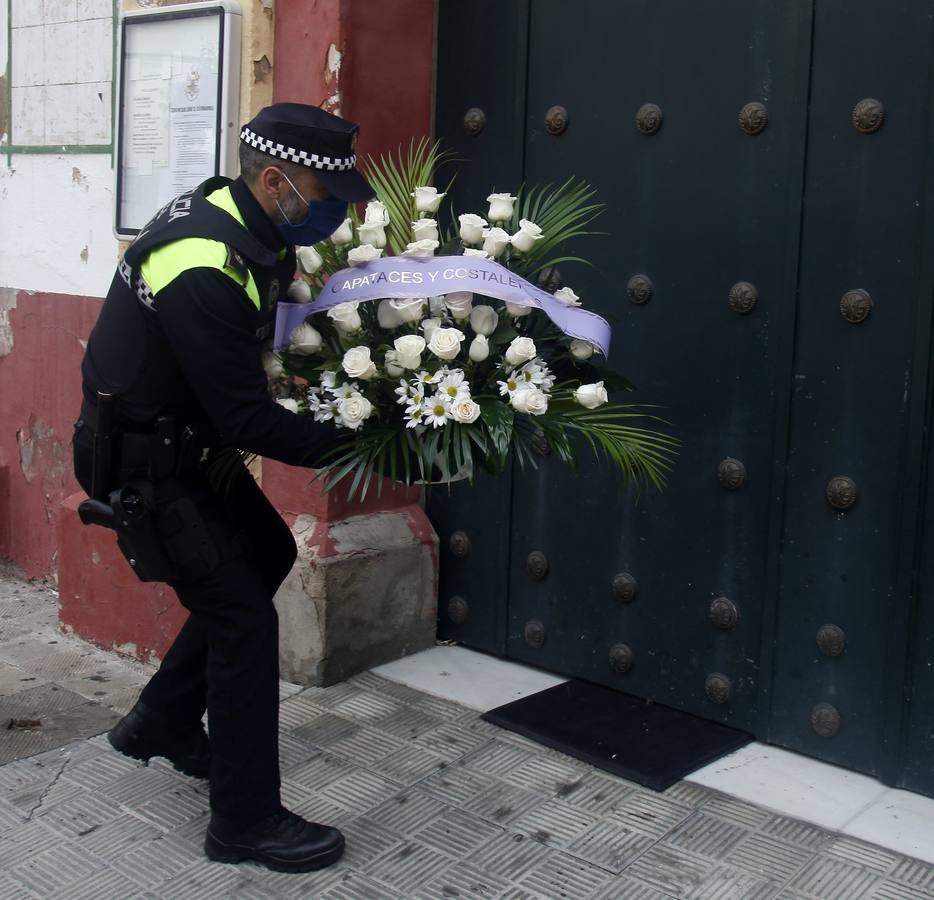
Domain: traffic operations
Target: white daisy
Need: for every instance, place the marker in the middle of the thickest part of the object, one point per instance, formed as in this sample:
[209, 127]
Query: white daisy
[509, 386]
[328, 379]
[346, 390]
[454, 387]
[436, 411]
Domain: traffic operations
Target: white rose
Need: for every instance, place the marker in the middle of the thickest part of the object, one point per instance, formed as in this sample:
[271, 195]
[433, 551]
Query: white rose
[427, 199]
[421, 248]
[358, 256]
[357, 363]
[409, 310]
[305, 339]
[436, 307]
[581, 349]
[391, 363]
[524, 239]
[495, 241]
[376, 214]
[387, 316]
[500, 207]
[567, 297]
[479, 348]
[480, 254]
[429, 326]
[288, 403]
[471, 230]
[530, 400]
[299, 291]
[309, 259]
[521, 350]
[273, 365]
[343, 235]
[373, 234]
[591, 395]
[345, 317]
[459, 303]
[517, 310]
[425, 230]
[353, 410]
[445, 343]
[410, 347]
[484, 319]
[465, 411]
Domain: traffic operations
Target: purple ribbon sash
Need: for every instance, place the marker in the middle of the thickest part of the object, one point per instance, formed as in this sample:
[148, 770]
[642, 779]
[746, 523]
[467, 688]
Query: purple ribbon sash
[408, 277]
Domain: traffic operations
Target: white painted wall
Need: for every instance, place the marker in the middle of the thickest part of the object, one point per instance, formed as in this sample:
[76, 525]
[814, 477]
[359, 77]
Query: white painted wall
[56, 223]
[56, 210]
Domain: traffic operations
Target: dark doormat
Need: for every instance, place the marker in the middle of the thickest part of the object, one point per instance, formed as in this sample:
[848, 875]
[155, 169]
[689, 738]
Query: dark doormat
[643, 742]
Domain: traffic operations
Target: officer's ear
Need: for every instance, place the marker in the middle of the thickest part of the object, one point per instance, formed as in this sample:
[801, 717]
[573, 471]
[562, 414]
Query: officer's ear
[271, 183]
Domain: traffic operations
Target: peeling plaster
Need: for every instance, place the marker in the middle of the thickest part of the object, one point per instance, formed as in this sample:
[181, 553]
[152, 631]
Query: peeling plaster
[261, 68]
[84, 254]
[7, 302]
[42, 456]
[332, 74]
[78, 178]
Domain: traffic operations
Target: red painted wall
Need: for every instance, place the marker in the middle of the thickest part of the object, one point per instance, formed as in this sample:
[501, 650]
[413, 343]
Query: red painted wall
[386, 80]
[40, 398]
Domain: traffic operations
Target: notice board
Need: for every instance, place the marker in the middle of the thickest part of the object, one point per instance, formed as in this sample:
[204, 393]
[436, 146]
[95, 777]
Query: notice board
[178, 105]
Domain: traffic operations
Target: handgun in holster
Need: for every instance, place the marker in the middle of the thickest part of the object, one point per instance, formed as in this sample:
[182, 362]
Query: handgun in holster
[160, 545]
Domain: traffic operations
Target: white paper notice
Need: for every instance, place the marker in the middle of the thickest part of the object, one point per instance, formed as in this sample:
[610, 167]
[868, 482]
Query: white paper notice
[192, 124]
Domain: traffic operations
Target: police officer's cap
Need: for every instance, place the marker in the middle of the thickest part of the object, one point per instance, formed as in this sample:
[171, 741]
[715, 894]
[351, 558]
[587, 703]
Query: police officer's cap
[309, 136]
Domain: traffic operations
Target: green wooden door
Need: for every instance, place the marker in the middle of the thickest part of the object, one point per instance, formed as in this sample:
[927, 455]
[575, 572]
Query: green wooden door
[747, 192]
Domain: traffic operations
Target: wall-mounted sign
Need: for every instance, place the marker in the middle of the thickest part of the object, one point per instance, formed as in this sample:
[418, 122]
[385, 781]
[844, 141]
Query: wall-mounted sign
[178, 105]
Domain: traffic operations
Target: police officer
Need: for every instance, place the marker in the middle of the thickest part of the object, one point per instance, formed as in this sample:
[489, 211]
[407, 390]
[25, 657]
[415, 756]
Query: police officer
[178, 347]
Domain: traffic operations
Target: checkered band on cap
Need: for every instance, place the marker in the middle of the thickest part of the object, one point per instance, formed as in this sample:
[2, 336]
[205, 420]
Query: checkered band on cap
[296, 156]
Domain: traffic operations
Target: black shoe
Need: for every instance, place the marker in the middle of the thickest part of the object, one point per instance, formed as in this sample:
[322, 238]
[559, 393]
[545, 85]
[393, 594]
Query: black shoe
[142, 735]
[284, 842]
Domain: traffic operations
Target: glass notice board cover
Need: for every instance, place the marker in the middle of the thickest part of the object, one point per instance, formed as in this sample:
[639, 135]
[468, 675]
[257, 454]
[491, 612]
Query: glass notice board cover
[178, 105]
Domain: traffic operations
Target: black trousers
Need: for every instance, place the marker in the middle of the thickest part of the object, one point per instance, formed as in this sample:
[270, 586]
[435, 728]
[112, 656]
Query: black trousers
[226, 657]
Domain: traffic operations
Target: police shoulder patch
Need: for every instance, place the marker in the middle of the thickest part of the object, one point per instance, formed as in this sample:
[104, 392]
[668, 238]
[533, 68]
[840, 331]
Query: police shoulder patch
[236, 263]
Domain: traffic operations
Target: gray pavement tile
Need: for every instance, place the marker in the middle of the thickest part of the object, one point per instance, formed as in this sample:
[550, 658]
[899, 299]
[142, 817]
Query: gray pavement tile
[650, 813]
[104, 884]
[497, 757]
[455, 833]
[319, 770]
[193, 831]
[671, 870]
[695, 795]
[326, 730]
[366, 841]
[457, 785]
[453, 740]
[330, 696]
[39, 795]
[724, 883]
[624, 888]
[55, 659]
[204, 880]
[803, 834]
[737, 811]
[914, 873]
[174, 807]
[55, 869]
[297, 711]
[561, 875]
[293, 751]
[545, 775]
[554, 822]
[706, 835]
[859, 853]
[463, 879]
[501, 803]
[103, 769]
[405, 812]
[596, 793]
[367, 707]
[80, 815]
[403, 868]
[409, 723]
[610, 846]
[444, 709]
[19, 844]
[14, 890]
[153, 863]
[409, 765]
[117, 836]
[509, 855]
[317, 809]
[895, 890]
[366, 747]
[138, 786]
[768, 856]
[18, 625]
[10, 816]
[359, 790]
[13, 679]
[354, 886]
[830, 879]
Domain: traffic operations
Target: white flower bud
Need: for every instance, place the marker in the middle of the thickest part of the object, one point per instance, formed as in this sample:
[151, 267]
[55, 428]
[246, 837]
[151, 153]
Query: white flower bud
[484, 319]
[479, 348]
[299, 291]
[581, 349]
[387, 317]
[427, 199]
[524, 239]
[376, 214]
[409, 310]
[566, 296]
[445, 343]
[363, 254]
[305, 339]
[373, 234]
[288, 403]
[521, 350]
[471, 230]
[425, 230]
[309, 259]
[343, 235]
[357, 363]
[459, 304]
[495, 241]
[591, 395]
[421, 248]
[500, 207]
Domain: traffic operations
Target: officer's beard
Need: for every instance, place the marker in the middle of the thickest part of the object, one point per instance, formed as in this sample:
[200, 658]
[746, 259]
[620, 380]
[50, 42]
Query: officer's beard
[292, 210]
